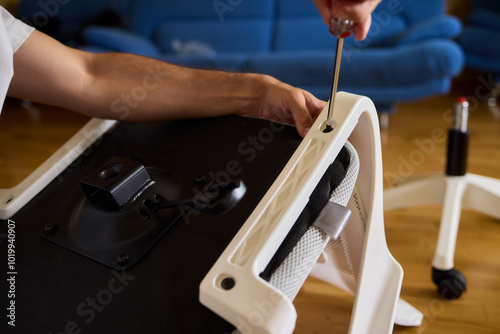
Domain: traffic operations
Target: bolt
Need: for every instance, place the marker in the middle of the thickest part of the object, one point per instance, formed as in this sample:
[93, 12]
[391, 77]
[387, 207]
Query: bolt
[123, 259]
[227, 283]
[50, 229]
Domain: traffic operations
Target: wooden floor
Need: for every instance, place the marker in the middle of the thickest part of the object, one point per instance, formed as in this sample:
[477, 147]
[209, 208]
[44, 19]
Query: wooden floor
[28, 136]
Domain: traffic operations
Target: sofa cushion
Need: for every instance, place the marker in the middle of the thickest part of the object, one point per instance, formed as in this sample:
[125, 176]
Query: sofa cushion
[438, 27]
[296, 8]
[384, 96]
[413, 11]
[215, 36]
[418, 62]
[119, 40]
[147, 15]
[383, 28]
[229, 61]
[302, 34]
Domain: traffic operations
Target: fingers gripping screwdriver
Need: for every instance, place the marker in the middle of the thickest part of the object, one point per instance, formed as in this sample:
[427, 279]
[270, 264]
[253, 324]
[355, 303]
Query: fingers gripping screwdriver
[340, 28]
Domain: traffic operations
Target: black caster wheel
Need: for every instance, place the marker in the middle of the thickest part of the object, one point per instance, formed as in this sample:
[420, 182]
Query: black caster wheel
[450, 283]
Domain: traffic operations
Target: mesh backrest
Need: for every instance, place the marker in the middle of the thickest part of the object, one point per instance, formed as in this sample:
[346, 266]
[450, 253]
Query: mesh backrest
[292, 273]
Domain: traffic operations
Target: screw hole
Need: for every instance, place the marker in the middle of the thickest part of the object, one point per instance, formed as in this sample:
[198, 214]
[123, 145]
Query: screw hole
[111, 172]
[228, 283]
[123, 259]
[9, 199]
[50, 229]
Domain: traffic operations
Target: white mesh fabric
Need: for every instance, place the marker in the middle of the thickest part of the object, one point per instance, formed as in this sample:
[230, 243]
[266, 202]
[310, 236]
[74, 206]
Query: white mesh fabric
[291, 274]
[342, 194]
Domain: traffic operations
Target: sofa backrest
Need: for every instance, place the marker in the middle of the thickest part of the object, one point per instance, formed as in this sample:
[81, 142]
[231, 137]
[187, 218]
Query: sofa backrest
[299, 26]
[414, 11]
[219, 26]
[205, 26]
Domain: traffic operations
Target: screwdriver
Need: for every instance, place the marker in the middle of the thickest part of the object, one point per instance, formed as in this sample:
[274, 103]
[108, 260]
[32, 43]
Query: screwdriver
[339, 28]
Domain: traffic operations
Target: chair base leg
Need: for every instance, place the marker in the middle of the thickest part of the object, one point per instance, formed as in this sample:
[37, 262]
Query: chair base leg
[470, 191]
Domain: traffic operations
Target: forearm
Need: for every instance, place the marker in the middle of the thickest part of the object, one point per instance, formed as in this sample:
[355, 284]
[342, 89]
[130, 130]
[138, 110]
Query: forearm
[128, 87]
[141, 89]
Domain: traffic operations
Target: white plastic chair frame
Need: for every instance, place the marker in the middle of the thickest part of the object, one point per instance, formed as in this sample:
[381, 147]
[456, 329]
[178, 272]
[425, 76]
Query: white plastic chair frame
[253, 305]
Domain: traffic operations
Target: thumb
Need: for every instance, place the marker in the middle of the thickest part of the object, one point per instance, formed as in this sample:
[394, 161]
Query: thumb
[314, 105]
[361, 29]
[302, 118]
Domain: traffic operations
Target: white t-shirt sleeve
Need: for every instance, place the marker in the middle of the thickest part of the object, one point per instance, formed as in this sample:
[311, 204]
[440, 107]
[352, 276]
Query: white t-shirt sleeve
[13, 33]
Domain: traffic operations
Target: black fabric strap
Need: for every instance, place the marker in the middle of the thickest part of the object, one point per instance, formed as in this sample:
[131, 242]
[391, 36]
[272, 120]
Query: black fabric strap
[333, 176]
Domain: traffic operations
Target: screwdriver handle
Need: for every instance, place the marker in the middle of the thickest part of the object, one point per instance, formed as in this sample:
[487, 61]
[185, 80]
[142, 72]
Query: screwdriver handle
[341, 28]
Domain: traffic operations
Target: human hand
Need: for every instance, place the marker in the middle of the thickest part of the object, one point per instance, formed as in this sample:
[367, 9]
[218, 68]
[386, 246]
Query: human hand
[358, 11]
[283, 103]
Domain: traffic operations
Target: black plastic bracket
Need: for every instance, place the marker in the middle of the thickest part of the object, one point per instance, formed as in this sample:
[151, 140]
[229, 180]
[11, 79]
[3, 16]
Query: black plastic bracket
[115, 183]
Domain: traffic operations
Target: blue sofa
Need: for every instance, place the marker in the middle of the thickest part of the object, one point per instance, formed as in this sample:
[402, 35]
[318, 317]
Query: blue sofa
[408, 54]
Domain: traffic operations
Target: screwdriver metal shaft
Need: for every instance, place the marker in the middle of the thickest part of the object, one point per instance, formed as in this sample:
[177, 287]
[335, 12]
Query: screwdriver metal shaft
[340, 28]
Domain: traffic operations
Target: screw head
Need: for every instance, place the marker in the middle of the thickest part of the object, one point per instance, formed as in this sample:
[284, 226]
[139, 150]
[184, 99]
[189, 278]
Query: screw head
[123, 259]
[50, 229]
[228, 283]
